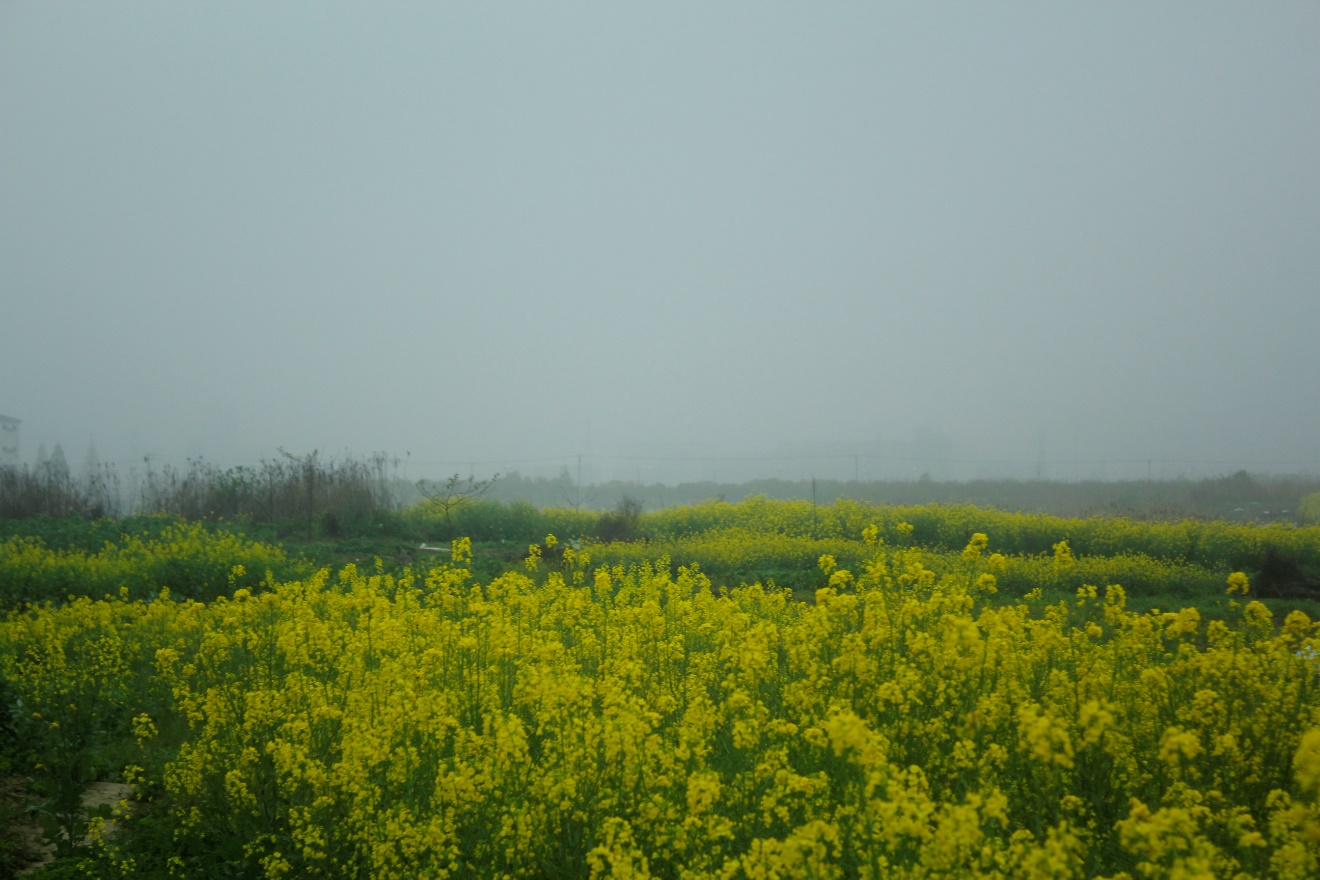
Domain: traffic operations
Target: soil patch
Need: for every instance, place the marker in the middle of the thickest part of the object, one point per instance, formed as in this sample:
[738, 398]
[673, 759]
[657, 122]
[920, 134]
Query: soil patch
[98, 794]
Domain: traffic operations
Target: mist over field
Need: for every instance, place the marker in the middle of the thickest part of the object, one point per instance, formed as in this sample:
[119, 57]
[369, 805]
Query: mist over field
[681, 241]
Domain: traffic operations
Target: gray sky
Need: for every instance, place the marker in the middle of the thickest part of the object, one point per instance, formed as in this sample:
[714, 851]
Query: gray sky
[504, 232]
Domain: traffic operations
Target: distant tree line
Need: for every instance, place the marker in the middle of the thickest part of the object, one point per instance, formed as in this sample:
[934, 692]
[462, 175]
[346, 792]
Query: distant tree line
[311, 494]
[49, 488]
[308, 492]
[326, 496]
[1239, 496]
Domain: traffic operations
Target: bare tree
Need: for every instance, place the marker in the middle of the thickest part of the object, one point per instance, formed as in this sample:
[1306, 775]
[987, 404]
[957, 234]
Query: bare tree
[454, 493]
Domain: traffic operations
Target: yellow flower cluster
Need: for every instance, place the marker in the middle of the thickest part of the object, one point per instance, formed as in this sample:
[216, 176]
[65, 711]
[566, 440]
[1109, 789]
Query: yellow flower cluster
[947, 527]
[190, 559]
[738, 555]
[633, 722]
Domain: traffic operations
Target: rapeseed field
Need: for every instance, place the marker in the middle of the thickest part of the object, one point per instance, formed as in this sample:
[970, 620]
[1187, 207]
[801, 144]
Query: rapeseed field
[630, 719]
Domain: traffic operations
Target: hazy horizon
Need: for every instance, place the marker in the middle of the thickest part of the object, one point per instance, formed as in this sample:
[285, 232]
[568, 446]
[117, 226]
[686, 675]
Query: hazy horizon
[1012, 237]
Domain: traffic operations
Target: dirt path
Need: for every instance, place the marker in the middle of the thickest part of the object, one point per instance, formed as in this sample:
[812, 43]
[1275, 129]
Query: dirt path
[98, 794]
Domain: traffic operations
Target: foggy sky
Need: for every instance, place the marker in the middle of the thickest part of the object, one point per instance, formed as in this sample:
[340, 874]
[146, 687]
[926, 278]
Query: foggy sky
[509, 232]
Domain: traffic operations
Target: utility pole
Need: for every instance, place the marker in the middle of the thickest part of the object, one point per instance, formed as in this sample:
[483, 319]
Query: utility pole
[579, 484]
[855, 480]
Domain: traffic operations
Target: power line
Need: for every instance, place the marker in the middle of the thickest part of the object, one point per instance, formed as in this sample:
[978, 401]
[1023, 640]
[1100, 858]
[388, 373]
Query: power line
[845, 456]
[499, 461]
